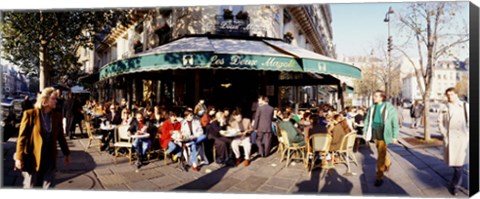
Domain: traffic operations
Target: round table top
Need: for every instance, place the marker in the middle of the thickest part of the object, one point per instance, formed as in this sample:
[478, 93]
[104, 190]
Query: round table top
[229, 133]
[107, 128]
[140, 136]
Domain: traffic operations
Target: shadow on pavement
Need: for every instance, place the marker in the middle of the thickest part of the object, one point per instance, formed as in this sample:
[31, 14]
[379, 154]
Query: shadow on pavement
[66, 176]
[367, 179]
[205, 182]
[432, 172]
[336, 183]
[312, 185]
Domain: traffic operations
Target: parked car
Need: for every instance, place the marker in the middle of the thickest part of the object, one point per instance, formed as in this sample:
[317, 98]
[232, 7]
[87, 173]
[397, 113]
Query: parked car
[435, 108]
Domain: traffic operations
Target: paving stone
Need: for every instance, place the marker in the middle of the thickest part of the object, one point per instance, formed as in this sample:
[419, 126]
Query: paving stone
[141, 175]
[242, 175]
[117, 187]
[144, 185]
[290, 174]
[164, 181]
[271, 190]
[424, 180]
[103, 171]
[74, 181]
[108, 180]
[224, 185]
[125, 168]
[251, 184]
[236, 190]
[283, 183]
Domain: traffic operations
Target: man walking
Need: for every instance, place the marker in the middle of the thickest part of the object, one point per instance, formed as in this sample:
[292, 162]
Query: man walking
[416, 111]
[453, 124]
[381, 125]
[263, 126]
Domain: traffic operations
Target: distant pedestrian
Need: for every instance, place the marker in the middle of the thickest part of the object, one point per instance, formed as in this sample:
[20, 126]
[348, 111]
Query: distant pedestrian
[263, 126]
[400, 114]
[416, 111]
[69, 114]
[36, 153]
[381, 125]
[453, 124]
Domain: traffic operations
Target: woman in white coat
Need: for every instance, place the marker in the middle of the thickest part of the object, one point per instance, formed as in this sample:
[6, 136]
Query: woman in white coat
[453, 124]
[192, 130]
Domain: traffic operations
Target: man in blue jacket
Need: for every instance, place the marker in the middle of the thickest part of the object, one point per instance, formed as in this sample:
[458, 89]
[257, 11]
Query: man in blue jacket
[381, 125]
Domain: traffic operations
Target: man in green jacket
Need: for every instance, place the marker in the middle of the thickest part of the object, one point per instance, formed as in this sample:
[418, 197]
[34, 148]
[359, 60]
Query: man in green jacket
[381, 125]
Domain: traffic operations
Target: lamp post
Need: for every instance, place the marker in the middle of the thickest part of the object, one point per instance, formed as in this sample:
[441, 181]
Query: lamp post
[389, 50]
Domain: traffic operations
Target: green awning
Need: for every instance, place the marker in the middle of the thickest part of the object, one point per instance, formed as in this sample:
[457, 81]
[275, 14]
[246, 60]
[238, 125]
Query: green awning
[155, 62]
[209, 53]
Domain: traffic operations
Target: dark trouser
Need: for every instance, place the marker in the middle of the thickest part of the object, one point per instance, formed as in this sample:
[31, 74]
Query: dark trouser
[44, 179]
[107, 136]
[221, 147]
[264, 140]
[457, 178]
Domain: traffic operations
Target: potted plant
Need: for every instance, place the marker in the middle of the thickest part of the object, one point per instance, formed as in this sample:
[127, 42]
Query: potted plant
[242, 15]
[227, 14]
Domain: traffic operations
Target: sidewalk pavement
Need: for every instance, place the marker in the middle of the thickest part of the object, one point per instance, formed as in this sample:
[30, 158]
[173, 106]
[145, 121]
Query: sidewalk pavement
[414, 172]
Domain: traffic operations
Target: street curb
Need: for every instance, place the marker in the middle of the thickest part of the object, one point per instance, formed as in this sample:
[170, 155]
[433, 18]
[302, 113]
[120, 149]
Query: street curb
[406, 144]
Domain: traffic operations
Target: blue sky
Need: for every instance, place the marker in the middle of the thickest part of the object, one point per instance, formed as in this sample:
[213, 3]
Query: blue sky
[359, 27]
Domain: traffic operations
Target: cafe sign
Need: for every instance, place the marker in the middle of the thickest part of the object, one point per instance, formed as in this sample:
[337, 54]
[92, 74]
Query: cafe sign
[255, 62]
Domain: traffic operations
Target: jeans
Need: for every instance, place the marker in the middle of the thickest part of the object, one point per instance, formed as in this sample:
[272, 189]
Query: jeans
[195, 146]
[141, 145]
[172, 147]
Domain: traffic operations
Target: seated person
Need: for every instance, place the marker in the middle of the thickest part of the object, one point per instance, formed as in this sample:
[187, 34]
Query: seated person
[338, 131]
[317, 126]
[221, 143]
[191, 129]
[294, 137]
[113, 118]
[245, 128]
[166, 131]
[140, 126]
[359, 121]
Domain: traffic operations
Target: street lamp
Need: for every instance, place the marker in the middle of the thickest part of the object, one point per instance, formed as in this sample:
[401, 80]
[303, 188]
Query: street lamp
[389, 49]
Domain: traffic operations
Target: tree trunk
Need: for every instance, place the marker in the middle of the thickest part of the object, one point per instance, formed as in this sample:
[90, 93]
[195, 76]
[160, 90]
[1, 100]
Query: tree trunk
[44, 73]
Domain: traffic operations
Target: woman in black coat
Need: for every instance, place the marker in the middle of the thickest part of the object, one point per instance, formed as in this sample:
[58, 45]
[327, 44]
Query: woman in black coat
[221, 143]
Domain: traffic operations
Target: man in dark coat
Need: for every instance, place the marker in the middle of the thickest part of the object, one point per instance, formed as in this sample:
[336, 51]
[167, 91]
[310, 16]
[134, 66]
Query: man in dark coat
[69, 114]
[263, 126]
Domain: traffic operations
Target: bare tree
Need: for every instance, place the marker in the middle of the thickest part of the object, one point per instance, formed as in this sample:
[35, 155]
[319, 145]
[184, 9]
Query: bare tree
[430, 25]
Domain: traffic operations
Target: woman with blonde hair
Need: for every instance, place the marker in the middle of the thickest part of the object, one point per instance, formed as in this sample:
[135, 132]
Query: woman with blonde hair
[36, 152]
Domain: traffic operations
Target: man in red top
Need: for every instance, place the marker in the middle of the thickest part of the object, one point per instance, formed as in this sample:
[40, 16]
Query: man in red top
[166, 135]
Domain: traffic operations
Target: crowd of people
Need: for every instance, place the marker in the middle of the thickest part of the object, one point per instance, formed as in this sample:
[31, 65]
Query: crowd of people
[192, 130]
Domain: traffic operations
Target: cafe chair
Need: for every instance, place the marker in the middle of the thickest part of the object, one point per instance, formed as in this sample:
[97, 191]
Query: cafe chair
[92, 137]
[122, 140]
[346, 149]
[281, 145]
[292, 148]
[318, 146]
